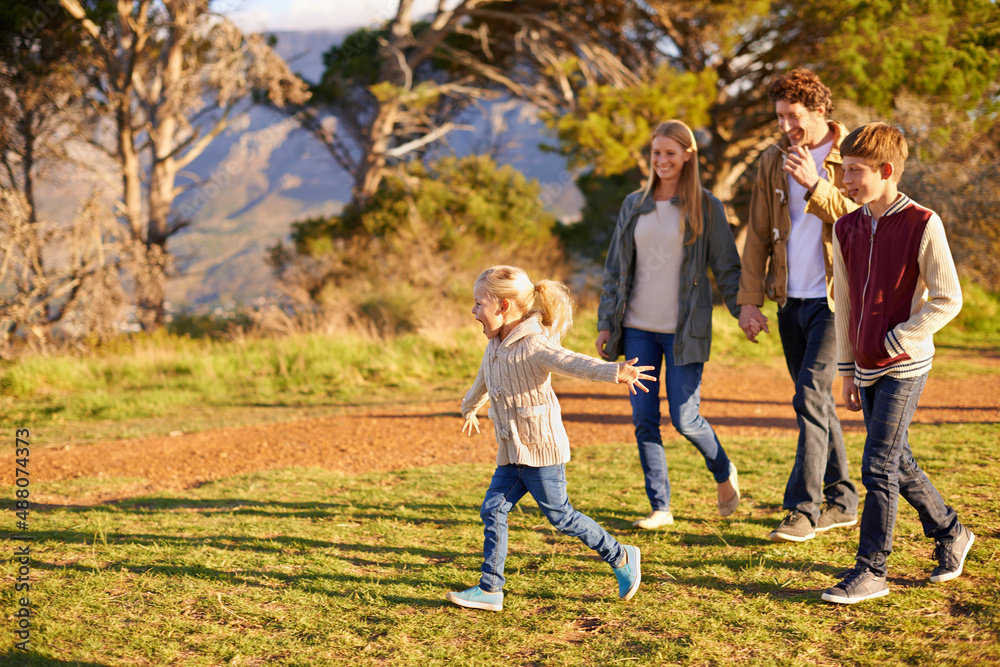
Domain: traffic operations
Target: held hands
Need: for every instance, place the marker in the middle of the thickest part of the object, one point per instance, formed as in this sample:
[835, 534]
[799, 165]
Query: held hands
[800, 165]
[752, 322]
[630, 374]
[471, 422]
[852, 395]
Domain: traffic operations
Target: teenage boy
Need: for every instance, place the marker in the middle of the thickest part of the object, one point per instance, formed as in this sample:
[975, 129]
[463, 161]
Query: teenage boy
[896, 285]
[788, 257]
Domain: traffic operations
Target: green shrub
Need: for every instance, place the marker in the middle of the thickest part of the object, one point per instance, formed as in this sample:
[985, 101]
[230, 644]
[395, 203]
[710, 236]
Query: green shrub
[408, 258]
[980, 310]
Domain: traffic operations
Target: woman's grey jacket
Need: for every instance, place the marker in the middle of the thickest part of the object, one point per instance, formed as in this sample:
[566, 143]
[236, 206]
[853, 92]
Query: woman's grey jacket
[714, 247]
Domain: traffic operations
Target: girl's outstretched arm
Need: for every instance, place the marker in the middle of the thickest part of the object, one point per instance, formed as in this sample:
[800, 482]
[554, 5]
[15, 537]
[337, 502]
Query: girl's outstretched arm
[630, 374]
[471, 422]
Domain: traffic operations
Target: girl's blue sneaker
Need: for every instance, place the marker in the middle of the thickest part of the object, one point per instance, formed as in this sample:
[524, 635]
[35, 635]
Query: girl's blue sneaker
[477, 598]
[628, 573]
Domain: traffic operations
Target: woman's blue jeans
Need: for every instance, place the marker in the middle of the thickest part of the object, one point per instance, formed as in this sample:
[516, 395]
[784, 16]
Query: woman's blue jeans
[683, 385]
[888, 470]
[547, 485]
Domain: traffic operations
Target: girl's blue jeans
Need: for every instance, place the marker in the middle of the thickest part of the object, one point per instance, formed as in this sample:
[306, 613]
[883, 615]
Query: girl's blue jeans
[683, 385]
[547, 485]
[888, 470]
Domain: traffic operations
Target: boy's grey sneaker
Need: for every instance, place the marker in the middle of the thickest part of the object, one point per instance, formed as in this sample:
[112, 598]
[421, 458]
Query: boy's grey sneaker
[628, 573]
[796, 527]
[859, 584]
[477, 598]
[832, 516]
[951, 556]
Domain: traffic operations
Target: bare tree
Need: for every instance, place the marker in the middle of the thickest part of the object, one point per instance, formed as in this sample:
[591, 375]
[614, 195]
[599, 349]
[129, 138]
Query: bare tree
[70, 274]
[42, 65]
[396, 90]
[169, 74]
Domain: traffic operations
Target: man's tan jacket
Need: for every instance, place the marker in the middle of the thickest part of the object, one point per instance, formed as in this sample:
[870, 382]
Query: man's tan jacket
[765, 252]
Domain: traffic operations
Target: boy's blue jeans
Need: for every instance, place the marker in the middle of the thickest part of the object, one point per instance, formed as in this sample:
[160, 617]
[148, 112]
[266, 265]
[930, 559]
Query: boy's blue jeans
[547, 485]
[683, 384]
[889, 470]
[820, 470]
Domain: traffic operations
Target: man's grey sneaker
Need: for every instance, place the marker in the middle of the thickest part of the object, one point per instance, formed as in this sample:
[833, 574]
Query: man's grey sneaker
[831, 516]
[477, 598]
[859, 584]
[796, 527]
[951, 556]
[655, 520]
[628, 573]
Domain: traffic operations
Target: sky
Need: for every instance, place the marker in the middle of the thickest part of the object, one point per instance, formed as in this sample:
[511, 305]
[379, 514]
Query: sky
[325, 15]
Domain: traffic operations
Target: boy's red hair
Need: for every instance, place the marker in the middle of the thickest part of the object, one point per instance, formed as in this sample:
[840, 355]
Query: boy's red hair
[877, 144]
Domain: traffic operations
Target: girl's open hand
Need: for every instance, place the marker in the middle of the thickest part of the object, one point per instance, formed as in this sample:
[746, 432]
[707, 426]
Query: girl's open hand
[630, 374]
[471, 422]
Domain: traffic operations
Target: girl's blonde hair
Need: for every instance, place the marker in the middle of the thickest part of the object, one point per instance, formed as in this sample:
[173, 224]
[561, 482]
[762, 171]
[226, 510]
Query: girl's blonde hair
[554, 300]
[689, 185]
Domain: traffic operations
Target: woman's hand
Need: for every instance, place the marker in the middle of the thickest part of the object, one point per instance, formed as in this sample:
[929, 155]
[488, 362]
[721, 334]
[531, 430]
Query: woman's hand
[752, 322]
[602, 338]
[630, 374]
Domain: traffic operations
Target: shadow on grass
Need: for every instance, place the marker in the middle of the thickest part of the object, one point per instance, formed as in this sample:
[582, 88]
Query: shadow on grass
[379, 570]
[31, 659]
[625, 399]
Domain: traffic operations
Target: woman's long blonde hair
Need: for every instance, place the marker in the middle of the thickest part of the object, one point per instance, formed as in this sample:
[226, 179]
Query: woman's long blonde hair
[689, 184]
[554, 299]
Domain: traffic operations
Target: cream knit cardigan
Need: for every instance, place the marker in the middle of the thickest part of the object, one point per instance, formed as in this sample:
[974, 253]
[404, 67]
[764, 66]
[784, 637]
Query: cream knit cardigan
[515, 377]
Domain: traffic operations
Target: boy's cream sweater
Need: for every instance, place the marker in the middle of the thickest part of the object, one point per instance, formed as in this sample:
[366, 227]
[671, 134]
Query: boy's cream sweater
[515, 377]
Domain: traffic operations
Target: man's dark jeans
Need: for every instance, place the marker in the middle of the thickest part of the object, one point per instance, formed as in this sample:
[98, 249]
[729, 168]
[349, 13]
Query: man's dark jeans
[889, 470]
[820, 471]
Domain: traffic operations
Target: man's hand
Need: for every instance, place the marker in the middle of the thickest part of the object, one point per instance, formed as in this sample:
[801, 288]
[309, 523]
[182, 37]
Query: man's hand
[800, 165]
[602, 337]
[752, 321]
[852, 395]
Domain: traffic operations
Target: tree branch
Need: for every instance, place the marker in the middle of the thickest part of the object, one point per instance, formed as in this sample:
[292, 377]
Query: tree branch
[430, 137]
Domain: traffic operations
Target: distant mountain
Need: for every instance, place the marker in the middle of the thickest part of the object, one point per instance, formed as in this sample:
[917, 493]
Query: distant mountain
[263, 173]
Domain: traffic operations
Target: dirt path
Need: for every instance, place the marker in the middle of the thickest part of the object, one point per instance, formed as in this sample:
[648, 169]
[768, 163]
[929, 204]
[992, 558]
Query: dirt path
[736, 402]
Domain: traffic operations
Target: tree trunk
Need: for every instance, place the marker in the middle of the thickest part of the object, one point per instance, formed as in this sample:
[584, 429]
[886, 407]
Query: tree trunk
[372, 169]
[379, 139]
[131, 170]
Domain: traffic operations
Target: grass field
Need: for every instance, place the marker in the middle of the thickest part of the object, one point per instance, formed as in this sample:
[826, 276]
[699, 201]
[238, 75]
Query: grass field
[157, 384]
[150, 385]
[304, 567]
[307, 567]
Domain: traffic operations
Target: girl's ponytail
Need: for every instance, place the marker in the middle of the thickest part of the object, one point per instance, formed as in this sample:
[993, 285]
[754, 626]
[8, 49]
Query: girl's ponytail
[556, 308]
[553, 297]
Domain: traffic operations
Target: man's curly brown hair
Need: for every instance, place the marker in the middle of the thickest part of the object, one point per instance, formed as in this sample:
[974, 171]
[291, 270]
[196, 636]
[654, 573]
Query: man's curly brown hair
[801, 85]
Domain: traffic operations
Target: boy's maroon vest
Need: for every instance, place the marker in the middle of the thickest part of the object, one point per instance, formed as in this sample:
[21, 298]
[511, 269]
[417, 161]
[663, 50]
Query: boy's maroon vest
[882, 274]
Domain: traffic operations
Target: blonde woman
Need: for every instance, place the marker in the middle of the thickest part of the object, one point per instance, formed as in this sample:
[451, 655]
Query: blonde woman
[522, 353]
[656, 306]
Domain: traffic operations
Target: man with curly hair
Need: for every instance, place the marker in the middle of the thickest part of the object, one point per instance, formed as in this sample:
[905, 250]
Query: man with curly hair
[787, 257]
